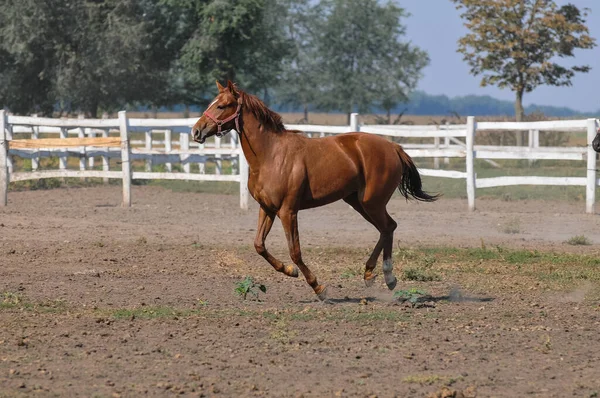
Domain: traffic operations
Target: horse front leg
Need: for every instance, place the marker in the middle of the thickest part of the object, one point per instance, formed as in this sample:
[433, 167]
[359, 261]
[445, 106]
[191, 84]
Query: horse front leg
[289, 220]
[265, 222]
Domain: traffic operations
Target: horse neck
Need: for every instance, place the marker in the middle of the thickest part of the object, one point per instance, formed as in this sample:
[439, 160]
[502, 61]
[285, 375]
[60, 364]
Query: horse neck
[257, 142]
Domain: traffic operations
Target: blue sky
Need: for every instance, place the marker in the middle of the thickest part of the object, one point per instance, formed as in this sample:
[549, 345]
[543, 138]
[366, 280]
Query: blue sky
[435, 26]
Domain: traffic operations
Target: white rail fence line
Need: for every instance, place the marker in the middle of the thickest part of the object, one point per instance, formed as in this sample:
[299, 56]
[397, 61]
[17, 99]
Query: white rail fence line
[452, 147]
[17, 135]
[162, 151]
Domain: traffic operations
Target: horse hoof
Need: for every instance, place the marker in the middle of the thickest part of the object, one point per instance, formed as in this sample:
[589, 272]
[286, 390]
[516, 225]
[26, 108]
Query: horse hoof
[321, 292]
[291, 270]
[370, 281]
[391, 282]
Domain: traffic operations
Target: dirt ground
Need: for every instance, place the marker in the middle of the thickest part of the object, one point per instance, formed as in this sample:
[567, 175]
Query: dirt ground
[102, 301]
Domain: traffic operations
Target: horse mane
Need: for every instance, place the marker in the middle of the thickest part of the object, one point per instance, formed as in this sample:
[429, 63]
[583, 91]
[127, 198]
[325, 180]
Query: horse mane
[268, 118]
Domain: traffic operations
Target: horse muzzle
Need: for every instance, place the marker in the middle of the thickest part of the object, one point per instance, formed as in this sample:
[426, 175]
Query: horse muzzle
[199, 136]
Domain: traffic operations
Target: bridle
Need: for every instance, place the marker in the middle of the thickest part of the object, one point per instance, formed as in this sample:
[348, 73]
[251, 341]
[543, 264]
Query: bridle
[235, 116]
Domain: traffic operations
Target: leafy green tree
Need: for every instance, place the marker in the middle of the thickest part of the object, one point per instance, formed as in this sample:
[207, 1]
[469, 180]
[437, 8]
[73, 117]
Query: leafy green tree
[110, 57]
[29, 30]
[80, 55]
[237, 40]
[363, 58]
[515, 43]
[300, 77]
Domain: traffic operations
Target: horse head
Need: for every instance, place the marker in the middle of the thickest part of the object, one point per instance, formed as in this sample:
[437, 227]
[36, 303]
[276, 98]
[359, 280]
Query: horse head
[222, 114]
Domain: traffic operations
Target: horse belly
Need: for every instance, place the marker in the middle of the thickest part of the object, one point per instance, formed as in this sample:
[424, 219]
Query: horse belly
[330, 185]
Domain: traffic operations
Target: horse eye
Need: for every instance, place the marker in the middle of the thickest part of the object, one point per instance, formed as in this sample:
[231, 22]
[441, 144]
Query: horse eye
[220, 107]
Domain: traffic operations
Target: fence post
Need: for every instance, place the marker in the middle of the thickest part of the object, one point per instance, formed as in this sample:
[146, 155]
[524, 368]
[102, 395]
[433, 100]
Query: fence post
[243, 179]
[354, 122]
[590, 191]
[436, 160]
[91, 134]
[168, 149]
[235, 164]
[35, 158]
[471, 128]
[202, 163]
[125, 158]
[105, 158]
[9, 137]
[533, 142]
[184, 145]
[4, 176]
[218, 162]
[62, 160]
[82, 150]
[148, 136]
[447, 144]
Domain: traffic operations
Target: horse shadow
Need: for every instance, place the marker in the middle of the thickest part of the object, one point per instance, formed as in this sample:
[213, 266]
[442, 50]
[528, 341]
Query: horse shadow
[451, 298]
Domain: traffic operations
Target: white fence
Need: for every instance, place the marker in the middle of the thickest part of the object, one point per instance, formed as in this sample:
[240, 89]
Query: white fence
[453, 147]
[168, 152]
[95, 138]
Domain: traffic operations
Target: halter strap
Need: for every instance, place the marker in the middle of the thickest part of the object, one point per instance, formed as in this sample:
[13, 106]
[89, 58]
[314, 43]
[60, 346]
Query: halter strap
[221, 122]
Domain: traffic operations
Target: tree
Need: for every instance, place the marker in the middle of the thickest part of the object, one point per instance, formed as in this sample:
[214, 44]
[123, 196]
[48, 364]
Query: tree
[28, 31]
[80, 55]
[514, 43]
[363, 59]
[237, 40]
[300, 70]
[112, 56]
[404, 66]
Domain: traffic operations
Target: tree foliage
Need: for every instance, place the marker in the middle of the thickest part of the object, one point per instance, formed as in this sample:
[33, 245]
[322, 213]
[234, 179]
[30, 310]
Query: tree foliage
[237, 40]
[515, 43]
[301, 72]
[364, 61]
[68, 56]
[81, 55]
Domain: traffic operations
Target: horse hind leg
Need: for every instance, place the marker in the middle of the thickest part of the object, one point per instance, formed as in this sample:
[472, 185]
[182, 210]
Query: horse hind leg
[369, 275]
[386, 226]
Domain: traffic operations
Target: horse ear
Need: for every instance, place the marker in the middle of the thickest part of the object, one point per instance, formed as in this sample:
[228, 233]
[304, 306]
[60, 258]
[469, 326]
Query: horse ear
[221, 88]
[232, 88]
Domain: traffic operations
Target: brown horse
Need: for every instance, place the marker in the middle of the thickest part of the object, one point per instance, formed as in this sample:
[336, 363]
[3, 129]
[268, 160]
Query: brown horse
[291, 172]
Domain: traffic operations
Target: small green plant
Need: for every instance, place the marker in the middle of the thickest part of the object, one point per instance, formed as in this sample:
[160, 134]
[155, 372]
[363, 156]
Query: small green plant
[411, 295]
[579, 240]
[248, 286]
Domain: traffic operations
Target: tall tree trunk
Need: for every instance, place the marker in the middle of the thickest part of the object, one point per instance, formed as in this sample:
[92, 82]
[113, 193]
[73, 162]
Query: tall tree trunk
[519, 113]
[305, 113]
[389, 116]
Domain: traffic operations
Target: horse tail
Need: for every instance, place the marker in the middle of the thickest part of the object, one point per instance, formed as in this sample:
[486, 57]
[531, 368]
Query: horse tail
[410, 186]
